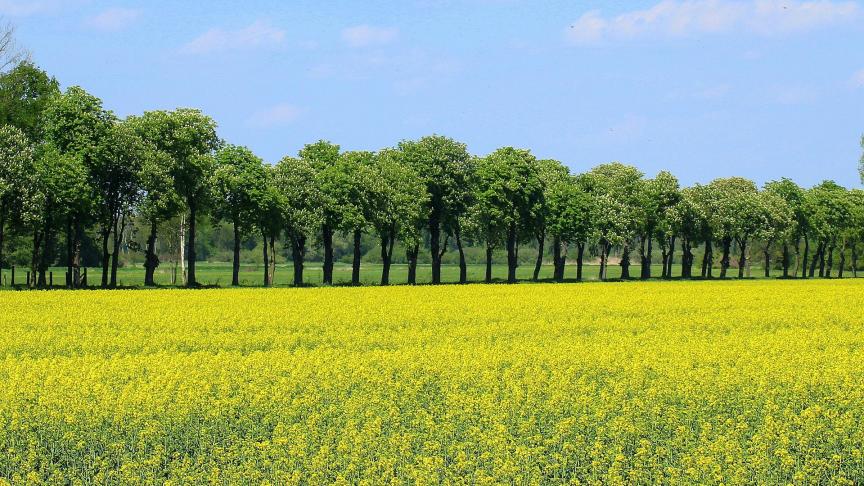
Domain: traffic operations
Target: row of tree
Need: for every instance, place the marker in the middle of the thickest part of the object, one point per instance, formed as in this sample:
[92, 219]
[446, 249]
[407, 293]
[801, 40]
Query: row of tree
[68, 165]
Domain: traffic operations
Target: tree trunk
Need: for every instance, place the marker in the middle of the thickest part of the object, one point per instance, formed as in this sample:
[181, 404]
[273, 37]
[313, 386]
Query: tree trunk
[804, 258]
[266, 255]
[842, 262]
[106, 257]
[580, 253]
[77, 281]
[70, 255]
[34, 258]
[191, 281]
[814, 260]
[603, 254]
[625, 262]
[645, 272]
[767, 257]
[854, 260]
[686, 259]
[435, 247]
[541, 241]
[412, 264]
[488, 277]
[118, 234]
[298, 255]
[272, 276]
[707, 260]
[672, 257]
[355, 264]
[785, 260]
[235, 270]
[664, 258]
[463, 265]
[511, 254]
[327, 239]
[557, 259]
[151, 261]
[822, 261]
[47, 245]
[830, 263]
[724, 261]
[742, 258]
[387, 241]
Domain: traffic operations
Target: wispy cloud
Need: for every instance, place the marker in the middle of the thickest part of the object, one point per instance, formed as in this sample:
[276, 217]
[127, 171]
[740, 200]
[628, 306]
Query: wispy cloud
[280, 114]
[258, 34]
[683, 18]
[367, 35]
[114, 19]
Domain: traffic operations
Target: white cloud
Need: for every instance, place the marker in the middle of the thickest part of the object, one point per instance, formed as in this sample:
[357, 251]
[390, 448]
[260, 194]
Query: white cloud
[275, 115]
[258, 34]
[682, 18]
[114, 19]
[858, 79]
[367, 35]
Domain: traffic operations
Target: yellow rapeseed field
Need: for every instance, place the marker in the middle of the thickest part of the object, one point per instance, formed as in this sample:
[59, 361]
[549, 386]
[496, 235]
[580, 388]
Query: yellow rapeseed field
[631, 383]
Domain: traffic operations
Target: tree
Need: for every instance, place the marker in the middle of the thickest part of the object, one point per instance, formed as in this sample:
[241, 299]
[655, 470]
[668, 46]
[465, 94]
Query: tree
[398, 201]
[655, 198]
[829, 213]
[238, 182]
[60, 189]
[568, 220]
[159, 203]
[25, 92]
[16, 162]
[188, 138]
[793, 196]
[270, 212]
[77, 125]
[295, 180]
[687, 220]
[855, 230]
[442, 163]
[350, 185]
[508, 185]
[616, 189]
[777, 224]
[733, 216]
[551, 173]
[322, 156]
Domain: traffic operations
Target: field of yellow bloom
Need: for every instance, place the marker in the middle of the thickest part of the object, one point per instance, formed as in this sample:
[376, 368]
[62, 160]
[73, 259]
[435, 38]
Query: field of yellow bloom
[660, 382]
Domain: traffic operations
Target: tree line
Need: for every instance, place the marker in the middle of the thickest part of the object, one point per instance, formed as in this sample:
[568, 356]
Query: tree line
[69, 166]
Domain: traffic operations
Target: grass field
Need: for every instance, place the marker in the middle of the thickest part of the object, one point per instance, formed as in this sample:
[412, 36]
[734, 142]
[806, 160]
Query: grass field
[667, 383]
[219, 274]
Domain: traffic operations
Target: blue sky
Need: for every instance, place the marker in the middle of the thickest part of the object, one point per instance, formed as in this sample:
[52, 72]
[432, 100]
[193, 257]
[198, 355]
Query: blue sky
[704, 88]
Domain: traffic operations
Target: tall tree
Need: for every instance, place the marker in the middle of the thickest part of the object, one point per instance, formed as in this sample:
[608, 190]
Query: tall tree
[508, 182]
[441, 162]
[25, 92]
[687, 220]
[655, 198]
[76, 125]
[777, 223]
[295, 180]
[238, 182]
[188, 138]
[351, 185]
[616, 188]
[568, 220]
[60, 188]
[398, 201]
[551, 173]
[793, 195]
[270, 221]
[322, 156]
[733, 213]
[16, 162]
[829, 213]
